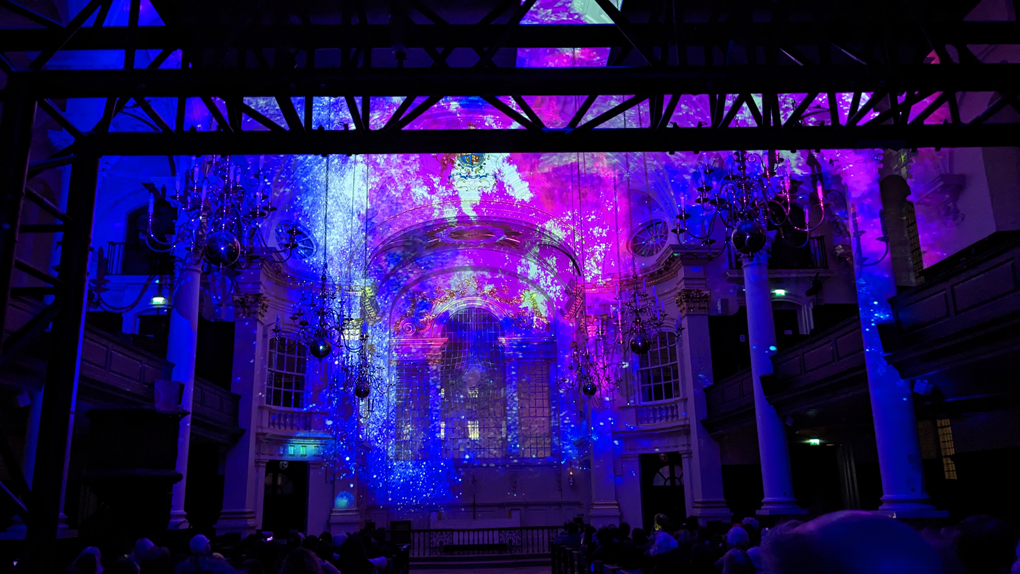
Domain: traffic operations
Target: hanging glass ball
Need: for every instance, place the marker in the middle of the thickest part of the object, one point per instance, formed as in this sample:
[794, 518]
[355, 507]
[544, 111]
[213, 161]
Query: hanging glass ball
[589, 389]
[748, 237]
[222, 248]
[640, 344]
[361, 391]
[320, 347]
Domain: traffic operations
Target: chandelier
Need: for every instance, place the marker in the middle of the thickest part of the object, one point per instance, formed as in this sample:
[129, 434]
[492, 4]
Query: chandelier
[221, 205]
[594, 362]
[322, 319]
[638, 314]
[749, 194]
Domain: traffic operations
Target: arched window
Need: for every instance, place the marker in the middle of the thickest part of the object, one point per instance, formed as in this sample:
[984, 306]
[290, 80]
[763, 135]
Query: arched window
[658, 372]
[285, 376]
[473, 388]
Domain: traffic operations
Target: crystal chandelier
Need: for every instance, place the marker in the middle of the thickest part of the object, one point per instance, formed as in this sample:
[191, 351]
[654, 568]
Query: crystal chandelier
[749, 194]
[221, 205]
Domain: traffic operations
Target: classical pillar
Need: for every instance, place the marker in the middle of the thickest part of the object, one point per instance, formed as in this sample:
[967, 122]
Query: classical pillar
[892, 404]
[181, 347]
[772, 447]
[605, 510]
[240, 481]
[260, 490]
[702, 466]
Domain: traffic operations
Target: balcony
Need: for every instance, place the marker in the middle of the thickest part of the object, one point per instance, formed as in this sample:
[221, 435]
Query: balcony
[664, 413]
[282, 421]
[826, 369]
[115, 373]
[966, 312]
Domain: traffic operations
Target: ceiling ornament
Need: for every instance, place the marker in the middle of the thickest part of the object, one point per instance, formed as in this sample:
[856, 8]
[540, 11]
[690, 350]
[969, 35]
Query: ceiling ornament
[472, 235]
[469, 173]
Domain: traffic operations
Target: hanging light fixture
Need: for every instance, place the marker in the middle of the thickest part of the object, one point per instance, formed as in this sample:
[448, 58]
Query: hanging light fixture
[750, 194]
[320, 319]
[594, 365]
[221, 205]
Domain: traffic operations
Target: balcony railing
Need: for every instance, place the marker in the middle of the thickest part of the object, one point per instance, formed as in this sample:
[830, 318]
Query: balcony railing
[282, 420]
[784, 256]
[520, 540]
[662, 413]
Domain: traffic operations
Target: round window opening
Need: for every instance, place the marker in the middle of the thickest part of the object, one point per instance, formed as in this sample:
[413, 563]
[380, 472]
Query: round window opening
[650, 239]
[304, 244]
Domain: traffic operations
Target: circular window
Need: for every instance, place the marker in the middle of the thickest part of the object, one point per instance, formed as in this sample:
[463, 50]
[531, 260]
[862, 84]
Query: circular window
[650, 239]
[305, 244]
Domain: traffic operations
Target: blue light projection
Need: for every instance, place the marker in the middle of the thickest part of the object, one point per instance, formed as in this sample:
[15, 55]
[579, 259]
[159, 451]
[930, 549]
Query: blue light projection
[410, 236]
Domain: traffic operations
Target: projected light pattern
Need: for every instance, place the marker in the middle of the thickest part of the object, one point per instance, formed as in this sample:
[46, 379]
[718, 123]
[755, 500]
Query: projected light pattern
[415, 238]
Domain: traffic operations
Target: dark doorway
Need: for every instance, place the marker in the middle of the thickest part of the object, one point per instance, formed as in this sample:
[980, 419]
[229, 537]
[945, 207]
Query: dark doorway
[285, 506]
[662, 488]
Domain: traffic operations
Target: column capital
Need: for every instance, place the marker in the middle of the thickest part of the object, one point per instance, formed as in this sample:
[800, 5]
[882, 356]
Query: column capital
[693, 301]
[250, 305]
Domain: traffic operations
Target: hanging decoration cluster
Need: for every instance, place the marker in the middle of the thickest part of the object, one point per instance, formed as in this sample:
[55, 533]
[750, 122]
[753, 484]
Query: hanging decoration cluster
[221, 204]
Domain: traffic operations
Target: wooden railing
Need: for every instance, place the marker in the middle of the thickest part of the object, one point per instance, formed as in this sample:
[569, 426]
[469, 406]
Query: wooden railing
[520, 540]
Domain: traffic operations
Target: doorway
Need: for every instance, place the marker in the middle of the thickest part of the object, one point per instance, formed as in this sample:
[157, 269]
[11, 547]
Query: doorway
[285, 506]
[662, 488]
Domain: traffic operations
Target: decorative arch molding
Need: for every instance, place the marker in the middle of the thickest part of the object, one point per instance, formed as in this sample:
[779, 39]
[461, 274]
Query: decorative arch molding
[423, 315]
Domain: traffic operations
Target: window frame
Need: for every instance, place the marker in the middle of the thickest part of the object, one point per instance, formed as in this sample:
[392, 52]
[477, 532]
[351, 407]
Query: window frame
[654, 366]
[297, 377]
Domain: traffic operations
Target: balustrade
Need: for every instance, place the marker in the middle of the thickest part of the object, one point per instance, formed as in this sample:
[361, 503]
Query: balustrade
[520, 540]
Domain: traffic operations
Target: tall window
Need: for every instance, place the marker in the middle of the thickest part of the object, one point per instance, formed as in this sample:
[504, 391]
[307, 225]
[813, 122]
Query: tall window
[947, 447]
[533, 409]
[285, 384]
[411, 411]
[659, 374]
[473, 388]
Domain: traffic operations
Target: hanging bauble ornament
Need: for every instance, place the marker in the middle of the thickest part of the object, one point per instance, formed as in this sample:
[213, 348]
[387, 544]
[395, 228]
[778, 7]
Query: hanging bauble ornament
[320, 346]
[640, 344]
[361, 391]
[589, 389]
[222, 248]
[748, 237]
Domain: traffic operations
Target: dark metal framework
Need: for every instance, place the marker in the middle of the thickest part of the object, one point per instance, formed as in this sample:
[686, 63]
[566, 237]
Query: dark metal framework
[659, 52]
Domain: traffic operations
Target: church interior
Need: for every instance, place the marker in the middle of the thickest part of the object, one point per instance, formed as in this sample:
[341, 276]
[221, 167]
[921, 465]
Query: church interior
[599, 285]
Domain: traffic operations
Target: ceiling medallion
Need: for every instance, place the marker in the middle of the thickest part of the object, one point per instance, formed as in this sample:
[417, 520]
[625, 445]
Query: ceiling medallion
[472, 235]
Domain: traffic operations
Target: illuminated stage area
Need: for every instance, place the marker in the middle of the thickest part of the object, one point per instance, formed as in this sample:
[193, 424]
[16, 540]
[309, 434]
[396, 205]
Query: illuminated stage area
[419, 278]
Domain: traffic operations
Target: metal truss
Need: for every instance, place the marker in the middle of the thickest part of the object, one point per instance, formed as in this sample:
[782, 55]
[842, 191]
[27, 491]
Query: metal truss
[878, 55]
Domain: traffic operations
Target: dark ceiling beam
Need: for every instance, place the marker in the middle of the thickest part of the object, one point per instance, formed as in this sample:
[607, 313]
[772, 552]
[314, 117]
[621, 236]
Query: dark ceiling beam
[390, 82]
[898, 136]
[846, 36]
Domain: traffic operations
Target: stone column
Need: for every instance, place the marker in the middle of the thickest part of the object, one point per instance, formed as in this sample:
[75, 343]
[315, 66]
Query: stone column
[181, 350]
[702, 466]
[772, 447]
[241, 482]
[605, 510]
[892, 404]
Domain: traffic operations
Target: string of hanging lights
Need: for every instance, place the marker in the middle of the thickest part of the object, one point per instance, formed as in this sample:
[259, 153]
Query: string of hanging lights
[221, 204]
